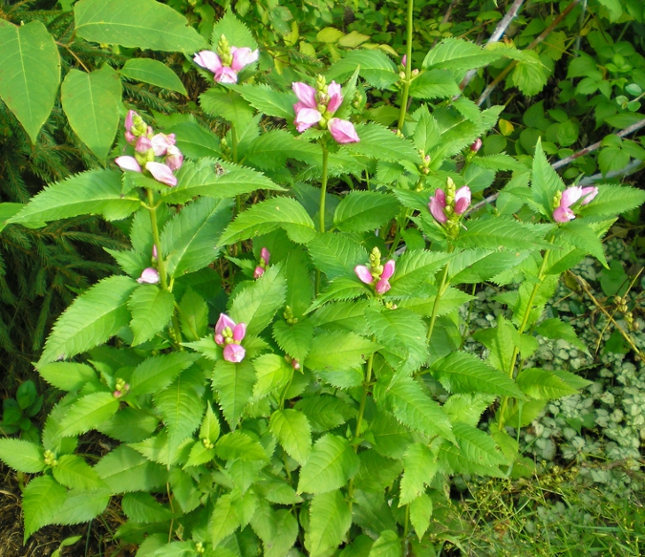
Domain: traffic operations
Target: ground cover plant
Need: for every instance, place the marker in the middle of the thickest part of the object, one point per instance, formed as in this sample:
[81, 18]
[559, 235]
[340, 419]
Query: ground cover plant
[282, 364]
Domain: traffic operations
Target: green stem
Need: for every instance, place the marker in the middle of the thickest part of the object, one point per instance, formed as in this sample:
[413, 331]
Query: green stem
[408, 65]
[440, 292]
[323, 194]
[406, 529]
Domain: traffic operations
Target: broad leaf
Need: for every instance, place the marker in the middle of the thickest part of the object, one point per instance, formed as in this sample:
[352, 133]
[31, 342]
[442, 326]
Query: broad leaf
[293, 432]
[29, 73]
[234, 384]
[295, 339]
[330, 518]
[273, 374]
[224, 520]
[239, 445]
[420, 513]
[542, 384]
[378, 142]
[67, 376]
[349, 351]
[82, 506]
[156, 373]
[375, 67]
[419, 468]
[331, 463]
[151, 309]
[365, 210]
[227, 105]
[415, 268]
[268, 101]
[556, 328]
[336, 254]
[434, 84]
[459, 54]
[477, 447]
[142, 24]
[87, 413]
[388, 544]
[22, 456]
[73, 472]
[494, 232]
[42, 499]
[154, 72]
[125, 470]
[271, 150]
[144, 508]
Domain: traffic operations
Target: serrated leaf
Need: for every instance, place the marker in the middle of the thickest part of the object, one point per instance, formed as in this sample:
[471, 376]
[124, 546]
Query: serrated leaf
[378, 142]
[144, 508]
[91, 103]
[279, 533]
[325, 412]
[234, 30]
[256, 304]
[279, 212]
[459, 54]
[461, 372]
[377, 69]
[330, 518]
[268, 101]
[125, 470]
[414, 268]
[295, 339]
[239, 445]
[578, 234]
[136, 24]
[210, 428]
[87, 413]
[479, 265]
[434, 84]
[195, 141]
[336, 254]
[193, 315]
[201, 178]
[412, 407]
[29, 73]
[331, 463]
[376, 472]
[402, 333]
[556, 328]
[420, 514]
[529, 75]
[234, 384]
[96, 191]
[614, 199]
[67, 376]
[293, 432]
[151, 309]
[389, 436]
[156, 373]
[224, 520]
[82, 506]
[350, 351]
[41, 501]
[271, 150]
[148, 70]
[346, 315]
[491, 233]
[188, 240]
[300, 286]
[419, 468]
[476, 446]
[73, 472]
[365, 210]
[341, 288]
[273, 373]
[387, 544]
[22, 456]
[129, 425]
[228, 105]
[542, 384]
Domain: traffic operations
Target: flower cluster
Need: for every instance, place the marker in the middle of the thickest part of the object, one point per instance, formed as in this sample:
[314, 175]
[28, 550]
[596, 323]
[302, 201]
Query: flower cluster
[265, 255]
[316, 106]
[229, 335]
[376, 274]
[569, 197]
[227, 61]
[448, 206]
[148, 146]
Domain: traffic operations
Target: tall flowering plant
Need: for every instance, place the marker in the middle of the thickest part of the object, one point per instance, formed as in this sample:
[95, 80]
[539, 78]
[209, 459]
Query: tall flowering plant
[278, 367]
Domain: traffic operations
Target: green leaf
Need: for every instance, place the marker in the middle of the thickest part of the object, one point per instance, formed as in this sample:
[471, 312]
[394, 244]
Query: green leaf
[238, 445]
[22, 456]
[271, 150]
[413, 269]
[294, 339]
[279, 212]
[151, 310]
[420, 514]
[497, 231]
[67, 376]
[325, 412]
[459, 54]
[582, 236]
[97, 191]
[144, 24]
[193, 315]
[273, 374]
[278, 531]
[387, 544]
[129, 425]
[87, 413]
[144, 508]
[341, 288]
[73, 472]
[234, 384]
[350, 351]
[545, 181]
[331, 463]
[29, 73]
[82, 506]
[293, 432]
[125, 470]
[419, 466]
[412, 407]
[614, 199]
[461, 372]
[256, 304]
[268, 101]
[187, 240]
[234, 30]
[210, 427]
[91, 102]
[42, 499]
[476, 446]
[154, 72]
[300, 286]
[224, 520]
[202, 178]
[336, 254]
[391, 439]
[156, 373]
[529, 75]
[403, 333]
[228, 105]
[555, 328]
[365, 210]
[379, 142]
[501, 342]
[542, 384]
[434, 84]
[330, 519]
[346, 315]
[377, 69]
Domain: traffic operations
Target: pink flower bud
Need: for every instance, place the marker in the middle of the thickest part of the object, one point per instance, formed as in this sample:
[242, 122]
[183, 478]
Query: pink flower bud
[209, 60]
[239, 332]
[305, 117]
[588, 194]
[128, 163]
[161, 142]
[174, 158]
[476, 146]
[335, 97]
[388, 270]
[570, 196]
[219, 339]
[462, 200]
[563, 214]
[306, 94]
[223, 322]
[242, 57]
[162, 173]
[234, 353]
[265, 255]
[226, 75]
[143, 144]
[364, 274]
[404, 60]
[129, 119]
[258, 272]
[149, 276]
[382, 286]
[154, 252]
[295, 364]
[342, 131]
[437, 205]
[130, 138]
[117, 394]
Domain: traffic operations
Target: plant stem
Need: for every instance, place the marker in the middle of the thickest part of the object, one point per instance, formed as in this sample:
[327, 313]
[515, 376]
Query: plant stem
[323, 194]
[440, 291]
[408, 65]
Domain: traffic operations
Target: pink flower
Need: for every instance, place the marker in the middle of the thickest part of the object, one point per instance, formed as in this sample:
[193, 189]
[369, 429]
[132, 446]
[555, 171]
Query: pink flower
[258, 272]
[335, 97]
[154, 252]
[129, 136]
[174, 158]
[265, 255]
[563, 214]
[570, 196]
[476, 146]
[305, 117]
[306, 95]
[404, 60]
[242, 57]
[128, 163]
[343, 131]
[437, 205]
[149, 276]
[226, 75]
[462, 200]
[209, 60]
[162, 173]
[383, 285]
[588, 194]
[364, 274]
[229, 334]
[143, 144]
[161, 142]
